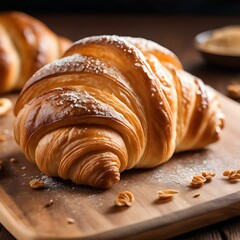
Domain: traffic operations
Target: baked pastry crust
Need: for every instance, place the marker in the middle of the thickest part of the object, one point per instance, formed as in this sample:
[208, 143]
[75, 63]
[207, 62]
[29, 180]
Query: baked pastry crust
[110, 104]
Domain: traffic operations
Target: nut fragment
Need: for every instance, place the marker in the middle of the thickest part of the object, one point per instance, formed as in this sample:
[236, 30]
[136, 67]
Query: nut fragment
[5, 106]
[196, 195]
[13, 160]
[70, 220]
[233, 90]
[36, 184]
[1, 164]
[198, 181]
[167, 193]
[208, 175]
[124, 199]
[2, 138]
[232, 174]
[49, 204]
[24, 168]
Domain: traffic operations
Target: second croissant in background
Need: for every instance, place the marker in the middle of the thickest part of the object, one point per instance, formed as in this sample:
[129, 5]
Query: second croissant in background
[26, 45]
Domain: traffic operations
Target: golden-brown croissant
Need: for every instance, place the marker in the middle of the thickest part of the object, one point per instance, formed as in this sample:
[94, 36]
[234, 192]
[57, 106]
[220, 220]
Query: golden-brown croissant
[113, 103]
[26, 45]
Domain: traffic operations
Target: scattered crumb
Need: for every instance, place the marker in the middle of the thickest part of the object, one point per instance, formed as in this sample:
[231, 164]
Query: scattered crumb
[233, 90]
[196, 195]
[5, 106]
[70, 220]
[24, 168]
[49, 204]
[1, 164]
[167, 193]
[6, 131]
[13, 160]
[36, 184]
[208, 175]
[2, 138]
[124, 199]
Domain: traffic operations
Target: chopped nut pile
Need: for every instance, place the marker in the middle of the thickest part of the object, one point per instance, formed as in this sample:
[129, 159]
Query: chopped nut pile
[199, 180]
[167, 194]
[208, 175]
[124, 199]
[232, 174]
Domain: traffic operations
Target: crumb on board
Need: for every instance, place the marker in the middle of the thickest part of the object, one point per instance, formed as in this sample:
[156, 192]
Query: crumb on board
[36, 184]
[6, 131]
[167, 193]
[24, 168]
[233, 90]
[5, 106]
[2, 138]
[13, 160]
[1, 164]
[196, 195]
[49, 204]
[125, 198]
[70, 220]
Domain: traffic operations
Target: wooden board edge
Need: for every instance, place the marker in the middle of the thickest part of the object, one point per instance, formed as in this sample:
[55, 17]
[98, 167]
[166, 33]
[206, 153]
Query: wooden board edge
[212, 212]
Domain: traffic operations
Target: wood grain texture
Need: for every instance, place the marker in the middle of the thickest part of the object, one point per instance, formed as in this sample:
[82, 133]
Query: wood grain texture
[23, 213]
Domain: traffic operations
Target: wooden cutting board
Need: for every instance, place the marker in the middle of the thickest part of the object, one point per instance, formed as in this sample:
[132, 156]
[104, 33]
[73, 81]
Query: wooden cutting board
[23, 213]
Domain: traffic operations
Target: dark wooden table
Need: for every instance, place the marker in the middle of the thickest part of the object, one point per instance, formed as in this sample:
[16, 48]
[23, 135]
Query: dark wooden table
[176, 33]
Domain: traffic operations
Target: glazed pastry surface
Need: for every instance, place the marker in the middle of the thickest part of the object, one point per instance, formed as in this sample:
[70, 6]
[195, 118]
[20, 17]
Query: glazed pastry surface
[110, 104]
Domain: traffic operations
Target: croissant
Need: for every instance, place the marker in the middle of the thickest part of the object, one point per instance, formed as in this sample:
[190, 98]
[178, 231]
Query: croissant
[26, 45]
[110, 104]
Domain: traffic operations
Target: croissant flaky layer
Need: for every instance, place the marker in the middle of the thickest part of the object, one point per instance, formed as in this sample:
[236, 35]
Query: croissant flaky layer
[113, 103]
[26, 45]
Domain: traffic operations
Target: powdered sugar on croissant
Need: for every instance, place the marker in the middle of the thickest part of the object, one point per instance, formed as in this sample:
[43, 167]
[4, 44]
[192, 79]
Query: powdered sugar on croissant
[113, 103]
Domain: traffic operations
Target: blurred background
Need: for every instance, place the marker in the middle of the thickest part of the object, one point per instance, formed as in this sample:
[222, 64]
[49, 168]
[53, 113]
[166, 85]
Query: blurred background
[171, 23]
[126, 6]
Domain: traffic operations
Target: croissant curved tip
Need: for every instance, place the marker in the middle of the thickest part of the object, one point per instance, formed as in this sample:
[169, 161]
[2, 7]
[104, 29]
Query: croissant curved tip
[107, 180]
